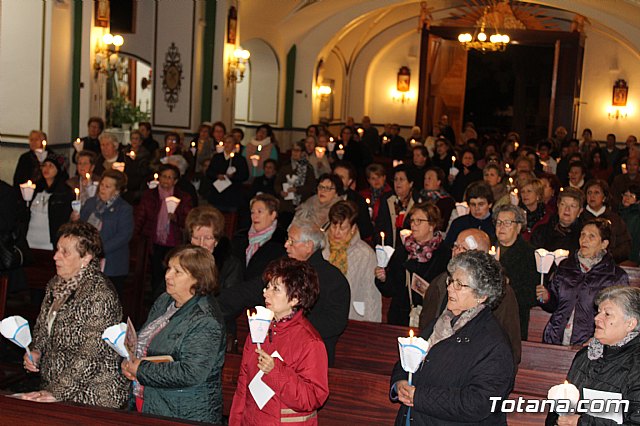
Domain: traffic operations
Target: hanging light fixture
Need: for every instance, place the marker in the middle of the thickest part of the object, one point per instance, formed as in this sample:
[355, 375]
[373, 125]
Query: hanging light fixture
[497, 42]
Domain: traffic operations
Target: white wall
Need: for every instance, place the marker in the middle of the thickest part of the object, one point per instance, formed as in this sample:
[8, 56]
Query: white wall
[605, 61]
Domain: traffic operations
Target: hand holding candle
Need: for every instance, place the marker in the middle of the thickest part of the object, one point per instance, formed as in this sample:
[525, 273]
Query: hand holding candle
[154, 183]
[453, 171]
[27, 189]
[567, 392]
[340, 152]
[513, 197]
[78, 145]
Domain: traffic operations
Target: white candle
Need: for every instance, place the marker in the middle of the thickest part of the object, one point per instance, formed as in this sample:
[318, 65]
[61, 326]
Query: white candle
[77, 191]
[44, 145]
[624, 169]
[259, 148]
[167, 149]
[382, 237]
[27, 189]
[132, 154]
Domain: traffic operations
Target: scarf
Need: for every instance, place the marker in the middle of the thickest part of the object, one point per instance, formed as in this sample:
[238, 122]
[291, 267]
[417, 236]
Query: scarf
[579, 185]
[264, 142]
[95, 218]
[62, 289]
[596, 348]
[443, 329]
[315, 211]
[258, 238]
[376, 194]
[586, 263]
[300, 169]
[338, 254]
[163, 226]
[146, 336]
[535, 216]
[433, 195]
[422, 252]
[400, 206]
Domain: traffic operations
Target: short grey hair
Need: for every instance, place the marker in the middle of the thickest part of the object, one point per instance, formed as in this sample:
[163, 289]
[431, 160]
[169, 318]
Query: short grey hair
[627, 298]
[111, 136]
[485, 275]
[518, 213]
[310, 231]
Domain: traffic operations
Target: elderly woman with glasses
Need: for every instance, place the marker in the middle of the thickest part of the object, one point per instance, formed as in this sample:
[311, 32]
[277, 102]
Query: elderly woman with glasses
[316, 208]
[469, 358]
[610, 362]
[355, 259]
[421, 257]
[570, 294]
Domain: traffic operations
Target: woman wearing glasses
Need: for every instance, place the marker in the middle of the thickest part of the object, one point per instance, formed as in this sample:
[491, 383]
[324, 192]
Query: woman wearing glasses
[316, 208]
[469, 358]
[423, 254]
[570, 294]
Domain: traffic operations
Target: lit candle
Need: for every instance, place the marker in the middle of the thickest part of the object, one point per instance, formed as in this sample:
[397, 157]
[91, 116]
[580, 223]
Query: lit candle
[624, 169]
[27, 190]
[167, 149]
[78, 145]
[492, 251]
[132, 154]
[385, 139]
[77, 191]
[193, 144]
[340, 151]
[511, 181]
[331, 139]
[87, 176]
[78, 140]
[453, 159]
[155, 176]
[382, 237]
[369, 208]
[411, 336]
[507, 169]
[320, 151]
[44, 144]
[220, 147]
[360, 131]
[368, 200]
[516, 145]
[259, 148]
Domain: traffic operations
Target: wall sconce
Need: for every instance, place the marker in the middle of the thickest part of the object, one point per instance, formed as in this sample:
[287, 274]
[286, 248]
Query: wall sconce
[401, 97]
[618, 107]
[324, 90]
[237, 65]
[106, 58]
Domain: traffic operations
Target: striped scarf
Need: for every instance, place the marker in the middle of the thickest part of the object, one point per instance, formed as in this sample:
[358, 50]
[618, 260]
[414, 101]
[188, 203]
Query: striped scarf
[257, 239]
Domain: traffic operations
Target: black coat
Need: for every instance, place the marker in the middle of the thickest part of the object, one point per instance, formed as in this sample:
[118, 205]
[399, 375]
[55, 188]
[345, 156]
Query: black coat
[59, 206]
[28, 168]
[617, 371]
[520, 264]
[365, 226]
[271, 250]
[232, 198]
[462, 181]
[395, 284]
[550, 236]
[459, 374]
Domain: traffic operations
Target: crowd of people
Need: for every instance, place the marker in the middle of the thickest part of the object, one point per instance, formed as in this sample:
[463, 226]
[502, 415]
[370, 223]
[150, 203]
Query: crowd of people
[463, 216]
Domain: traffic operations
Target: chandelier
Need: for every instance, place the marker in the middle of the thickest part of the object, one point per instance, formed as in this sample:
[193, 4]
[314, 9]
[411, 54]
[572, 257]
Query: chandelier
[497, 42]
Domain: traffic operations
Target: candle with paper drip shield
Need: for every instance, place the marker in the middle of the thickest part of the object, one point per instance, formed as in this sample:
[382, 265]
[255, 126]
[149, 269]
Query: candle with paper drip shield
[259, 322]
[41, 153]
[331, 145]
[27, 189]
[404, 233]
[132, 154]
[453, 171]
[255, 158]
[565, 391]
[78, 145]
[220, 147]
[507, 169]
[396, 163]
[545, 260]
[76, 204]
[320, 150]
[172, 204]
[17, 330]
[91, 186]
[119, 166]
[462, 208]
[154, 183]
[513, 197]
[114, 336]
[413, 351]
[383, 252]
[340, 152]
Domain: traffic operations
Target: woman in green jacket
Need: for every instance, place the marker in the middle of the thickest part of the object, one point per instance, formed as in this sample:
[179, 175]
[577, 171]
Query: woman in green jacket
[187, 325]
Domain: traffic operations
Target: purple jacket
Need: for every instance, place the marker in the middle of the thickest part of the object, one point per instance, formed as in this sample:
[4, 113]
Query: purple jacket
[571, 288]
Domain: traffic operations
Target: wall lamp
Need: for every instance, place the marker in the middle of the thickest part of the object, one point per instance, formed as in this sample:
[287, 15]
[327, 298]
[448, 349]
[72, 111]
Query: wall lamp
[237, 65]
[106, 57]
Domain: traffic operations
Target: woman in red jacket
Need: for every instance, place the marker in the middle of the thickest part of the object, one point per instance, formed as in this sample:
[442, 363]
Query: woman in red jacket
[163, 229]
[292, 360]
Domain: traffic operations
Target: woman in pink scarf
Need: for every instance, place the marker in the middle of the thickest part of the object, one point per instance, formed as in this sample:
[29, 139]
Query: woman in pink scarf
[164, 229]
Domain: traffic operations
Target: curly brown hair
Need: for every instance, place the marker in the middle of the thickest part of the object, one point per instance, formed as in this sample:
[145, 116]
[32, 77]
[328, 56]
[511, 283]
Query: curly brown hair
[200, 264]
[343, 210]
[299, 278]
[87, 238]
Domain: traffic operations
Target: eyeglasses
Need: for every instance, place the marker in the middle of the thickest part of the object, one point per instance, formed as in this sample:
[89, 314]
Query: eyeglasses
[417, 221]
[507, 223]
[326, 188]
[291, 241]
[202, 240]
[457, 284]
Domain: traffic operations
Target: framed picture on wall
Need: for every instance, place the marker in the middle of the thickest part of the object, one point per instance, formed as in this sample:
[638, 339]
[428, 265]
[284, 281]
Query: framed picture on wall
[232, 25]
[620, 92]
[404, 80]
[102, 12]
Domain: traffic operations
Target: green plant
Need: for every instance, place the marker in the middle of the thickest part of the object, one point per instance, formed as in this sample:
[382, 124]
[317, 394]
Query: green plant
[121, 111]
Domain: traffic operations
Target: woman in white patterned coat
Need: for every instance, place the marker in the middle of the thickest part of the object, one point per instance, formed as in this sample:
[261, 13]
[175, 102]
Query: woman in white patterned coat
[357, 261]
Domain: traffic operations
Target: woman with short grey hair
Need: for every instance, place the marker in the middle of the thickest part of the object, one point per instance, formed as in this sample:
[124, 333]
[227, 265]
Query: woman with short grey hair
[518, 213]
[610, 362]
[469, 359]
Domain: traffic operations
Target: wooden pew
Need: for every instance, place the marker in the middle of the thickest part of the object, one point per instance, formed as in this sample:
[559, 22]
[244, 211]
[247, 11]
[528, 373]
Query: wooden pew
[27, 413]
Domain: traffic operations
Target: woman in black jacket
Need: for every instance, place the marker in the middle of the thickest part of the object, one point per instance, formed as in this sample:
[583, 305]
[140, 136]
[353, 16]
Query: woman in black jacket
[421, 253]
[469, 358]
[611, 362]
[468, 173]
[51, 205]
